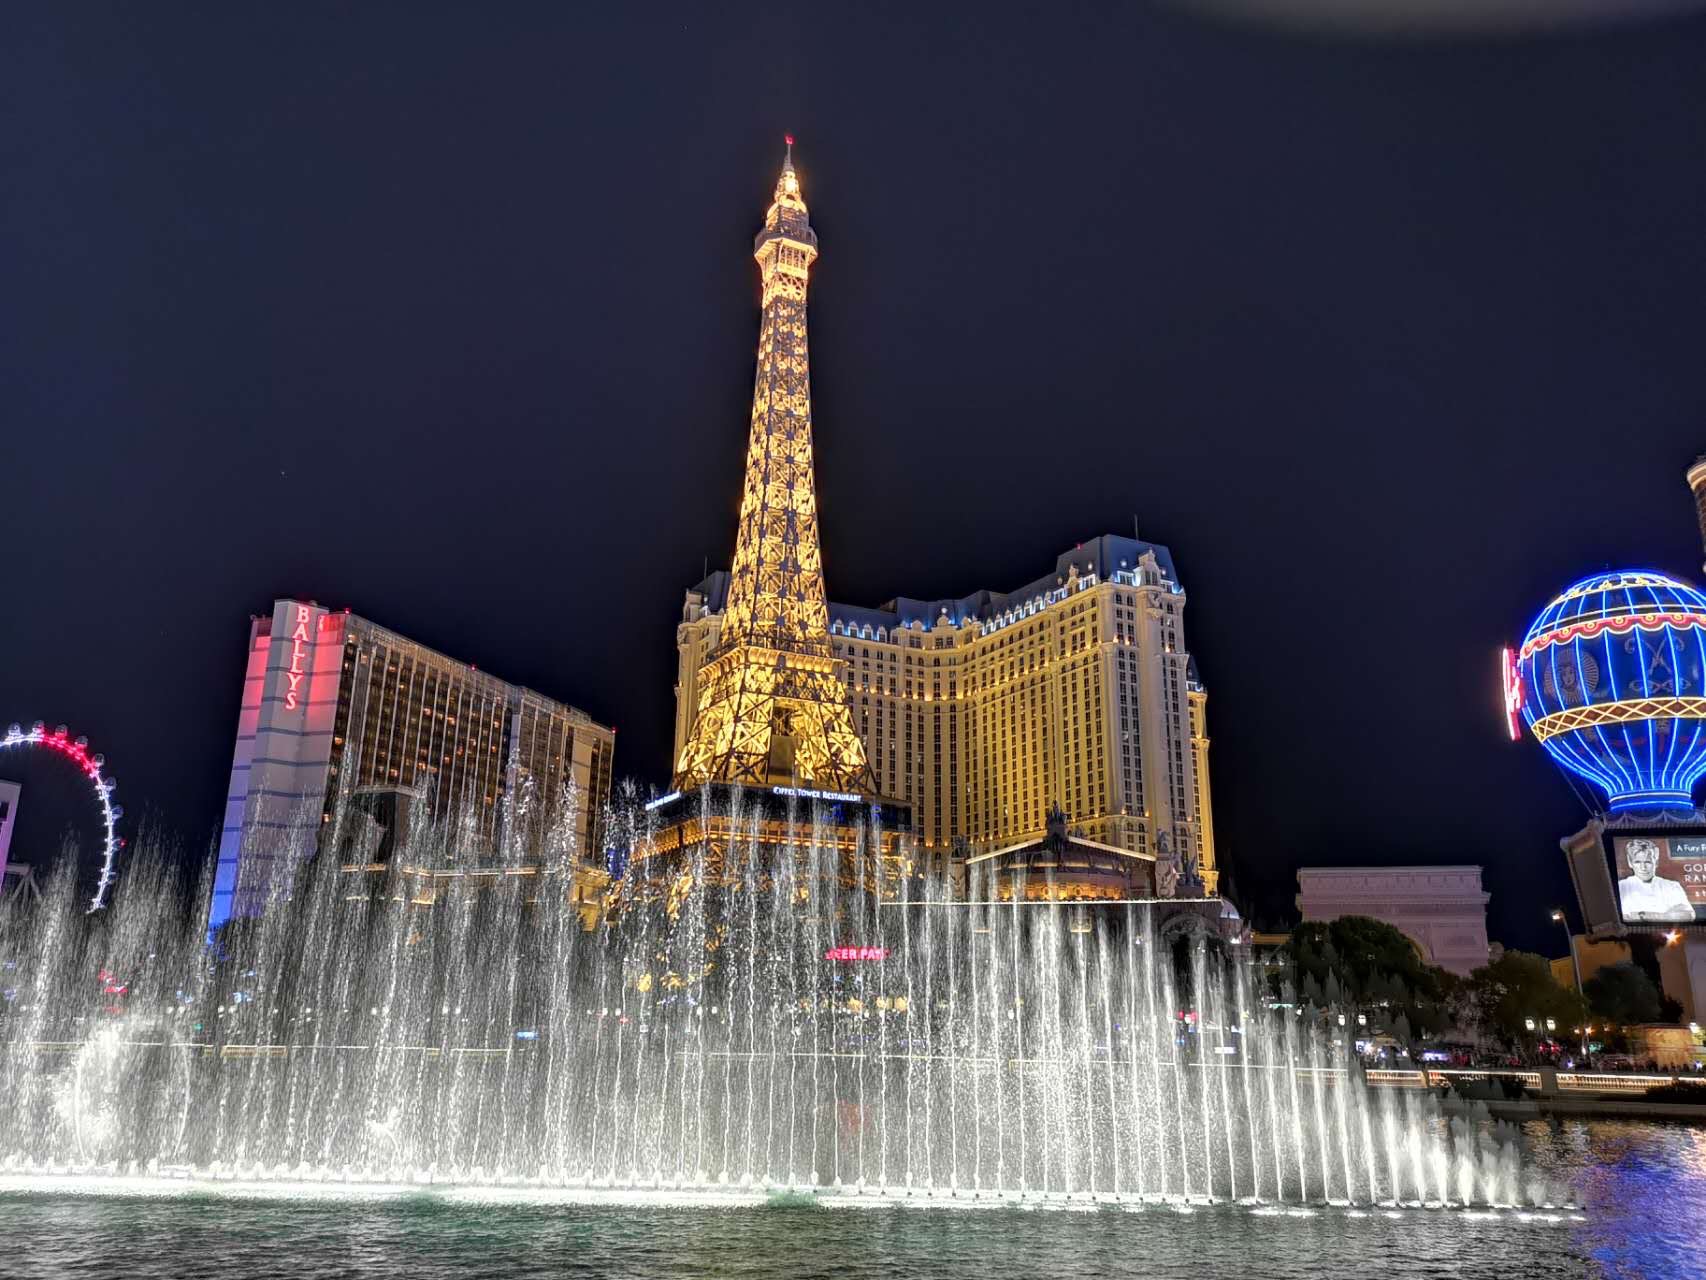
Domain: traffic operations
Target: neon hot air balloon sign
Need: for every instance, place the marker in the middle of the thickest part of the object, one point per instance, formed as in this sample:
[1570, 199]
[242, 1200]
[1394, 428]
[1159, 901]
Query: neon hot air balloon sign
[1611, 681]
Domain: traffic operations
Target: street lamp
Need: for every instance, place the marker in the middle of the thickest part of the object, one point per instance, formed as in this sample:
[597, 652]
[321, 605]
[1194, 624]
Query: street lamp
[1575, 962]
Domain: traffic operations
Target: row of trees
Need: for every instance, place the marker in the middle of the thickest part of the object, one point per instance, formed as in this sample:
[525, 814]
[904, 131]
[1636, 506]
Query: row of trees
[1362, 963]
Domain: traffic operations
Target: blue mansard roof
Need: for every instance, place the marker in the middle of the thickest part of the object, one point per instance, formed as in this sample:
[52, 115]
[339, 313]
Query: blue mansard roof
[1104, 557]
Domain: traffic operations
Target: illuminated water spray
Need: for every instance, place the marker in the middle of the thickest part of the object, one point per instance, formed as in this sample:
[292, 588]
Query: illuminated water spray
[788, 1024]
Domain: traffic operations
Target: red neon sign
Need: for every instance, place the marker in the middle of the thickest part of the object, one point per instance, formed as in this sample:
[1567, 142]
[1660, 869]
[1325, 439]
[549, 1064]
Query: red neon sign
[298, 652]
[1512, 683]
[856, 953]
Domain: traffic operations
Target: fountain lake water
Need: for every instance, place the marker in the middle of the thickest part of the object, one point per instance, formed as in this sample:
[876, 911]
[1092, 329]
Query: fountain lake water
[774, 1022]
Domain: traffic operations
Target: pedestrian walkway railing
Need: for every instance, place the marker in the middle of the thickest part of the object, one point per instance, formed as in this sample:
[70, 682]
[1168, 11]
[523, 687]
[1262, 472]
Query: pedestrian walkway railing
[1564, 1081]
[1530, 1079]
[1609, 1082]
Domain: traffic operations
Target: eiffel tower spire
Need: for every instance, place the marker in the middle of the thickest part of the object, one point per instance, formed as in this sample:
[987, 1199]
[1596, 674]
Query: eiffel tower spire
[772, 708]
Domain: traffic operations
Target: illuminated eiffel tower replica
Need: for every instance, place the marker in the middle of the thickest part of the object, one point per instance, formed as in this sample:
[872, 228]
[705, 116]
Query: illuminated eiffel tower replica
[774, 731]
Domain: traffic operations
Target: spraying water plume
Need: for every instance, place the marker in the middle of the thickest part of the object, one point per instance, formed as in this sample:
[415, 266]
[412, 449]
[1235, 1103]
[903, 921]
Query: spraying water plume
[788, 1023]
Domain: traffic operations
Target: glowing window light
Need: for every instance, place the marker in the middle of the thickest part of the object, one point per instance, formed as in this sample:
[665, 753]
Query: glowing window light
[77, 751]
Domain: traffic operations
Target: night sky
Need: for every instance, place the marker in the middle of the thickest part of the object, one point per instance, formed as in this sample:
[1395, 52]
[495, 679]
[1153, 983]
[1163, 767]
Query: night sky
[447, 314]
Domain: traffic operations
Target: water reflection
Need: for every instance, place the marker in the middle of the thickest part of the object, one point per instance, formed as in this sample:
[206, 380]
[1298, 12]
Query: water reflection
[1642, 1188]
[1641, 1185]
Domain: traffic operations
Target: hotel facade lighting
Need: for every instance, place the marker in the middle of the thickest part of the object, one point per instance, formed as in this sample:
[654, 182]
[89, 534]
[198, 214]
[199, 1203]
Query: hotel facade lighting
[982, 712]
[337, 706]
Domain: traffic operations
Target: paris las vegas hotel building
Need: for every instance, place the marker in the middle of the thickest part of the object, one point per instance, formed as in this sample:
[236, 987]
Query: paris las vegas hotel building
[983, 712]
[980, 714]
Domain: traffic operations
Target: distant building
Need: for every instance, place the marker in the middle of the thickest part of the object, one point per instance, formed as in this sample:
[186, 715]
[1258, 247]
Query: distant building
[1443, 910]
[1697, 486]
[1592, 956]
[9, 793]
[1062, 866]
[983, 712]
[336, 705]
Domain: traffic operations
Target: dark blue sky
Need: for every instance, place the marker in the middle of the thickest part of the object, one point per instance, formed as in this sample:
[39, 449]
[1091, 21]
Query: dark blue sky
[446, 313]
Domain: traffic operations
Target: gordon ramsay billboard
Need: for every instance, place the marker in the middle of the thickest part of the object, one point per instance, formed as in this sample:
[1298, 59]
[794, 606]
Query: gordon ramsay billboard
[1661, 879]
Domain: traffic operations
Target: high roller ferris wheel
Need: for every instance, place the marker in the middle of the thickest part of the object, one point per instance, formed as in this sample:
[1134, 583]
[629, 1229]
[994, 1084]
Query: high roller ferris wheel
[58, 741]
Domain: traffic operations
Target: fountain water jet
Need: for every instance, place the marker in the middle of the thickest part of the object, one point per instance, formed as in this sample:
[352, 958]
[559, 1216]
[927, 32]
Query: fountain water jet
[711, 1037]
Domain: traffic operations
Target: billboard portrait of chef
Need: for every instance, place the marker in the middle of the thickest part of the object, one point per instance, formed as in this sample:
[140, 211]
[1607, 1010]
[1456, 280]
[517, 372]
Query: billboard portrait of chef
[1646, 896]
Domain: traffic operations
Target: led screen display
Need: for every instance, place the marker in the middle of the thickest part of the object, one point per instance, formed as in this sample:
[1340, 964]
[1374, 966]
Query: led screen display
[1661, 879]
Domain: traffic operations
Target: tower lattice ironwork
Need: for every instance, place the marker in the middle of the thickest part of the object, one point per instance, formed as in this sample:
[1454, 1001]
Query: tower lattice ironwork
[772, 707]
